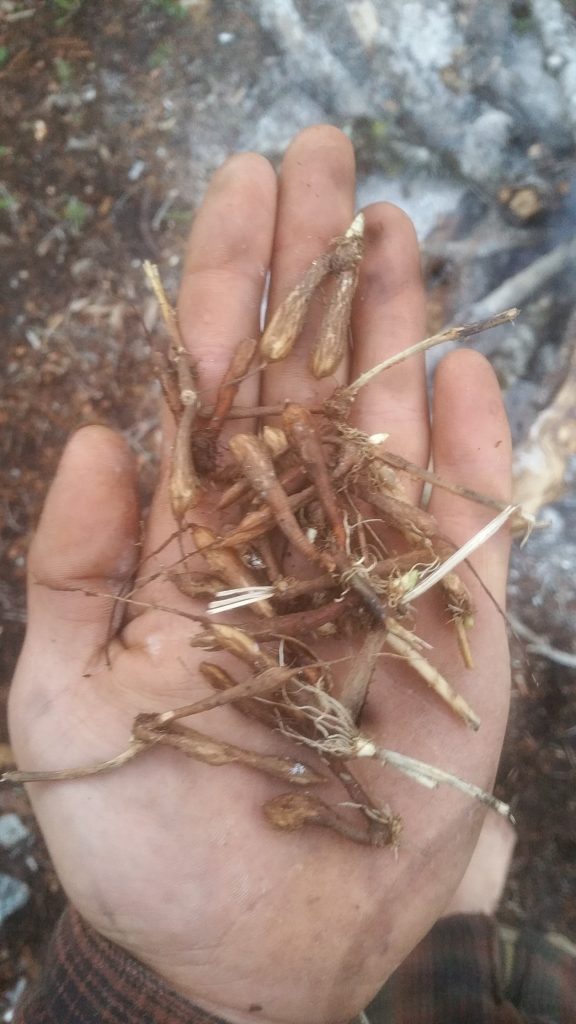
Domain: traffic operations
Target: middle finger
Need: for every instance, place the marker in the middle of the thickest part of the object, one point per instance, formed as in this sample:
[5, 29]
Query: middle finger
[316, 203]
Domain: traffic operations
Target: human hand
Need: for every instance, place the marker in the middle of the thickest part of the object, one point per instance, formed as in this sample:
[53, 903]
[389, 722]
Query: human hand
[172, 859]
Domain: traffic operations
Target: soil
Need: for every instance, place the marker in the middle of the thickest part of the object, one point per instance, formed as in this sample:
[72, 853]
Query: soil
[94, 163]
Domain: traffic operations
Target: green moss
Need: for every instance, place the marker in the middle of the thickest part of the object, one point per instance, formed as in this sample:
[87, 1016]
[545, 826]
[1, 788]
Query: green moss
[173, 8]
[75, 213]
[7, 200]
[65, 9]
[64, 70]
[160, 55]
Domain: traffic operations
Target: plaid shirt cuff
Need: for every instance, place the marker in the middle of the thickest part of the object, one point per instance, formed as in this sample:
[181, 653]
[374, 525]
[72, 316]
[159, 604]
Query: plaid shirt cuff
[88, 980]
[467, 970]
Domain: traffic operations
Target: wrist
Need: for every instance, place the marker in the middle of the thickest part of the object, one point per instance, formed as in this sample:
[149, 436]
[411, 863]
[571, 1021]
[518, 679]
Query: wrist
[89, 980]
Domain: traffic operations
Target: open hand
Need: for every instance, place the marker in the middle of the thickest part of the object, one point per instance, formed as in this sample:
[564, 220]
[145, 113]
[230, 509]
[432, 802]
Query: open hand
[173, 859]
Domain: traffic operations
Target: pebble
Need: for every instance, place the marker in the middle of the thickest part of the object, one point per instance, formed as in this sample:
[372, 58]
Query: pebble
[12, 830]
[14, 894]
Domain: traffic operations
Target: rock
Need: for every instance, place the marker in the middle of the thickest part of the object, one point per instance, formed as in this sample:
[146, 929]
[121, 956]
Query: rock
[12, 831]
[485, 146]
[14, 895]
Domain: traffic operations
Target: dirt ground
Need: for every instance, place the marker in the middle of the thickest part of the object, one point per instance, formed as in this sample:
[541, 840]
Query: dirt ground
[93, 182]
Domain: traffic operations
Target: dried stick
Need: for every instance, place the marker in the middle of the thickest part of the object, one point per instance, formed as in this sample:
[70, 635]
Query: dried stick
[449, 334]
[301, 430]
[254, 524]
[65, 774]
[355, 686]
[183, 487]
[236, 641]
[168, 314]
[459, 604]
[206, 440]
[294, 624]
[265, 682]
[200, 617]
[215, 752]
[251, 707]
[415, 524]
[384, 827]
[228, 565]
[432, 677]
[257, 466]
[237, 369]
[399, 462]
[169, 384]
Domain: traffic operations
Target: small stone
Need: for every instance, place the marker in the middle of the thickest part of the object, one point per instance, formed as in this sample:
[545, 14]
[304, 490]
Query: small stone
[136, 170]
[14, 895]
[12, 830]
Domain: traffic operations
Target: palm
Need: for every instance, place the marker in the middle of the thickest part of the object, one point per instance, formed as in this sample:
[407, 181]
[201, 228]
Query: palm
[173, 859]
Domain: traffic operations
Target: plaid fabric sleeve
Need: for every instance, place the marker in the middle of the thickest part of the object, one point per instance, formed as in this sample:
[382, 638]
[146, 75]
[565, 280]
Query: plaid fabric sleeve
[468, 970]
[88, 980]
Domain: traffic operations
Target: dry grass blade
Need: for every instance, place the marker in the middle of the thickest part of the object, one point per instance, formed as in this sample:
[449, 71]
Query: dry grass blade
[450, 334]
[461, 554]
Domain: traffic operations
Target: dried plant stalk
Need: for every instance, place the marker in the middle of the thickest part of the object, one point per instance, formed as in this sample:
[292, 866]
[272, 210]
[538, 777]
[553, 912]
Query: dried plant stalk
[288, 321]
[238, 368]
[433, 678]
[355, 685]
[215, 752]
[184, 487]
[384, 827]
[291, 811]
[331, 342]
[168, 314]
[312, 490]
[236, 641]
[229, 566]
[338, 736]
[300, 428]
[258, 467]
[450, 334]
[268, 681]
[65, 774]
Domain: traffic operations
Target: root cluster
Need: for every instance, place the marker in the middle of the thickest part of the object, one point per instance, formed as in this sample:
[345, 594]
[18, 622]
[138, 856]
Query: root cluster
[316, 538]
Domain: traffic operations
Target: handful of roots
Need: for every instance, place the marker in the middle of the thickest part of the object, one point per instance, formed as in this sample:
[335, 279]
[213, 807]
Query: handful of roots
[309, 491]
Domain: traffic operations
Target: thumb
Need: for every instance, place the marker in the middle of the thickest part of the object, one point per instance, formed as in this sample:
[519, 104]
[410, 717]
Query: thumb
[86, 538]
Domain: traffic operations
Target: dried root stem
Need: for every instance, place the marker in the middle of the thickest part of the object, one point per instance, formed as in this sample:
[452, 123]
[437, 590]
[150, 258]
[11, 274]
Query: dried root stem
[313, 509]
